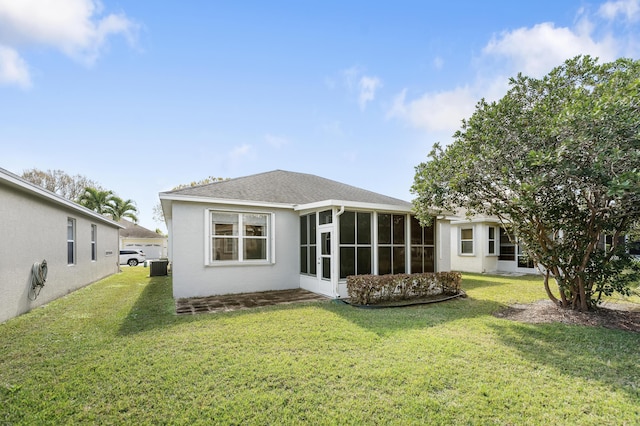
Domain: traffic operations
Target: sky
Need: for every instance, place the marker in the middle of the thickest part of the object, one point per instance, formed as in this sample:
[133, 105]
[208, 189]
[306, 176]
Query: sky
[143, 96]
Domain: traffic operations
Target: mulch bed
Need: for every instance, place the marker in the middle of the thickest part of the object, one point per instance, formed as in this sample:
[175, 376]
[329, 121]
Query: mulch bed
[616, 316]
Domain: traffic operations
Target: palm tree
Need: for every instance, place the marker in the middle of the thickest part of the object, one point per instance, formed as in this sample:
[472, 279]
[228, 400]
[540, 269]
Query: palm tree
[119, 208]
[96, 200]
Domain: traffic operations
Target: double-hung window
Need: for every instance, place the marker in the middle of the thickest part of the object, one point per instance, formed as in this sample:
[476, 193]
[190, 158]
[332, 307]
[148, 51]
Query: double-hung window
[71, 241]
[466, 241]
[239, 237]
[94, 248]
[492, 240]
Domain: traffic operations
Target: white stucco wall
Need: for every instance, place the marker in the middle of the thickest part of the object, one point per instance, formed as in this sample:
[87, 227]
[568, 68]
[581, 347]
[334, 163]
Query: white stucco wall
[443, 246]
[187, 247]
[33, 229]
[480, 261]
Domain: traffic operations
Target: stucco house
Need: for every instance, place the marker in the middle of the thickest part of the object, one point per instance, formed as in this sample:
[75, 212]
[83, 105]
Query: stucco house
[78, 245]
[283, 230]
[481, 244]
[134, 236]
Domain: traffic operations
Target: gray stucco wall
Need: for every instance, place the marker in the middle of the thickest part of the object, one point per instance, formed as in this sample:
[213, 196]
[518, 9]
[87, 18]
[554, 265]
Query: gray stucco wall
[33, 229]
[192, 277]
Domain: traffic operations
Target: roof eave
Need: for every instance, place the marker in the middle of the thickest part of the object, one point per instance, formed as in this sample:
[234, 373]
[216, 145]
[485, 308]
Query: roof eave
[354, 205]
[166, 197]
[16, 182]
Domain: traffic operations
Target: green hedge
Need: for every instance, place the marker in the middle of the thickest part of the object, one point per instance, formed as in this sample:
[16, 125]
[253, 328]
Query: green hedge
[372, 289]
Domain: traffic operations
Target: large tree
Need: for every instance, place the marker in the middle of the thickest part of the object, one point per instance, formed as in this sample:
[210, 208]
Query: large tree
[63, 184]
[158, 214]
[557, 159]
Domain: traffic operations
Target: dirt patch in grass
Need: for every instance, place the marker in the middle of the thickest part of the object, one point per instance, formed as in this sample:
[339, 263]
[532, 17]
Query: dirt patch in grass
[613, 315]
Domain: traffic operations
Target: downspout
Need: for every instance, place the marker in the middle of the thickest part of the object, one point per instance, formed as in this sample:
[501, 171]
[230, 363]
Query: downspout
[337, 279]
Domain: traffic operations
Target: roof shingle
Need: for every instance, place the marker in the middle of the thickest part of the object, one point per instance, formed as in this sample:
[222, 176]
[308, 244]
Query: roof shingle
[285, 187]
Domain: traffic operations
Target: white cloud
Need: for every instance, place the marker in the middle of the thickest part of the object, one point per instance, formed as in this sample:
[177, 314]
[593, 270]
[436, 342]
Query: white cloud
[75, 27]
[441, 111]
[367, 87]
[533, 51]
[276, 141]
[629, 9]
[240, 151]
[13, 69]
[438, 63]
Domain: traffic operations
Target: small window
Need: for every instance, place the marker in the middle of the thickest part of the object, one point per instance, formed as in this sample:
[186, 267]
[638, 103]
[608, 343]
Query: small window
[326, 217]
[466, 241]
[492, 241]
[71, 241]
[94, 249]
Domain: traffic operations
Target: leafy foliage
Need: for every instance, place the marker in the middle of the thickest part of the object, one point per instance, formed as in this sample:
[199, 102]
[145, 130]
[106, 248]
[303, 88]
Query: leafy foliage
[69, 187]
[158, 214]
[557, 158]
[107, 203]
[372, 289]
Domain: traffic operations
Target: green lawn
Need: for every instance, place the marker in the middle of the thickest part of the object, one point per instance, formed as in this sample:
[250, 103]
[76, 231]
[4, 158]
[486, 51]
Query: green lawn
[115, 352]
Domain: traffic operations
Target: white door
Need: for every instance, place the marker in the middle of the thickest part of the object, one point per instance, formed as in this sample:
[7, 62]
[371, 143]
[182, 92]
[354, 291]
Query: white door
[325, 263]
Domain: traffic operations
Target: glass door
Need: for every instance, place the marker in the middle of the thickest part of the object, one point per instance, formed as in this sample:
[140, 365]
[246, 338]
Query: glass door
[325, 255]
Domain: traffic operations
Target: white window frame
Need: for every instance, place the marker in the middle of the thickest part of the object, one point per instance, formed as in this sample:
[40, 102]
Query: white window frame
[94, 242]
[461, 241]
[71, 241]
[494, 240]
[270, 244]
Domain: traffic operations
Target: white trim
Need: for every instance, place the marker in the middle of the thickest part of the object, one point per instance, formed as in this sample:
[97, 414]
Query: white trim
[354, 205]
[473, 240]
[225, 201]
[271, 252]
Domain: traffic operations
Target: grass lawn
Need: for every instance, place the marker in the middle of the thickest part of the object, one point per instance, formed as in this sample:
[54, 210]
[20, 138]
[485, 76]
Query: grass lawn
[115, 352]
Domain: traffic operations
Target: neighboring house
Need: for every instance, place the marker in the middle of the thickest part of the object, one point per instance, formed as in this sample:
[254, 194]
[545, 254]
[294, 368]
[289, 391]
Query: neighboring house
[134, 236]
[481, 244]
[282, 230]
[79, 245]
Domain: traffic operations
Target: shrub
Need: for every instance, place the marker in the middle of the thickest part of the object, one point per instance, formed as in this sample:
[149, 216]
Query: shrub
[372, 289]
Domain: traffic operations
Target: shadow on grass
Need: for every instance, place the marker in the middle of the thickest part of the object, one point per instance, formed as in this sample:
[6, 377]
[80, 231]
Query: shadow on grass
[590, 353]
[387, 321]
[155, 308]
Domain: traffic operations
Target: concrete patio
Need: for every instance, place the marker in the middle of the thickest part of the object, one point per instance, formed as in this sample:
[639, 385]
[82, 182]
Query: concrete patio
[234, 302]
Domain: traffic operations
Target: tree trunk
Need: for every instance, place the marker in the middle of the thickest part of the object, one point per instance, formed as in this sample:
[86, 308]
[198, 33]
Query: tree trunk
[548, 290]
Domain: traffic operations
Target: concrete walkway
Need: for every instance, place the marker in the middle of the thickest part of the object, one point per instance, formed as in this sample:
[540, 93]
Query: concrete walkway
[234, 302]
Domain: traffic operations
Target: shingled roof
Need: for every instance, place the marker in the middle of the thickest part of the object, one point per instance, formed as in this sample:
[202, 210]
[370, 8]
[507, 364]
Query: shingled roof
[285, 187]
[133, 230]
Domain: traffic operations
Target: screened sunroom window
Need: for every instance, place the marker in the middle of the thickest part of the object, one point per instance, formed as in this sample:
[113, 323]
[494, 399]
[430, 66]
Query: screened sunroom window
[391, 244]
[355, 243]
[422, 247]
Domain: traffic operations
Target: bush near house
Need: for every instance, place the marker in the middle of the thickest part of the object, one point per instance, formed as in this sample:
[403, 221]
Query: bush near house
[372, 289]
